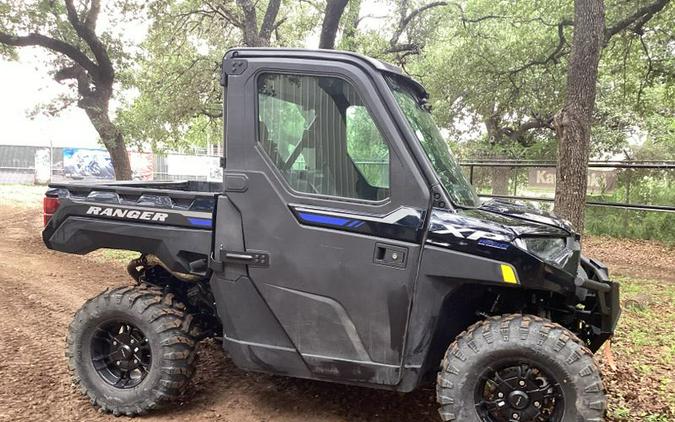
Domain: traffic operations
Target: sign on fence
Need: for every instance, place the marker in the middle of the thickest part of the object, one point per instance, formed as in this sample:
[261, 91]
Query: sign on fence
[85, 163]
[599, 180]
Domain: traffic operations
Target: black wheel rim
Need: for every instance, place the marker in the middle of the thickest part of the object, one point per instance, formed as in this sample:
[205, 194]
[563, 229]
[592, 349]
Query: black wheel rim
[121, 354]
[518, 392]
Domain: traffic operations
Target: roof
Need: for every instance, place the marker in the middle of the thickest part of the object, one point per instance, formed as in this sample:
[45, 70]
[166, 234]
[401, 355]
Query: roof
[321, 54]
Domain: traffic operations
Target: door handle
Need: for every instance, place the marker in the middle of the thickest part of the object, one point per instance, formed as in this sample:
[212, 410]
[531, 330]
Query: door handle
[250, 258]
[390, 255]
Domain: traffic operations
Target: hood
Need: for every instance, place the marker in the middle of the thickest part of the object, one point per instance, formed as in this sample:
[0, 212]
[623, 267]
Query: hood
[533, 220]
[509, 234]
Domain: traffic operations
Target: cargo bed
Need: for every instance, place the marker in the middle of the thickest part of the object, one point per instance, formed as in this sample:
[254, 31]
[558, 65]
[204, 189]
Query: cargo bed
[171, 220]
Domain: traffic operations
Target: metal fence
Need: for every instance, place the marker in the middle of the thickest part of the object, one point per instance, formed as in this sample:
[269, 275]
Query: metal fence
[22, 165]
[615, 184]
[636, 185]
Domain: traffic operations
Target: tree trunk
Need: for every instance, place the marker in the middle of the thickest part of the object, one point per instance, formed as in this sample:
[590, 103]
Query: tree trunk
[499, 176]
[119, 157]
[573, 123]
[331, 21]
[113, 140]
[500, 180]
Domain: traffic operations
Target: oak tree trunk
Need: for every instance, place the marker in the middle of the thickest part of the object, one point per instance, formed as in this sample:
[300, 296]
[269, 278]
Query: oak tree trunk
[331, 21]
[112, 139]
[573, 123]
[500, 180]
[93, 72]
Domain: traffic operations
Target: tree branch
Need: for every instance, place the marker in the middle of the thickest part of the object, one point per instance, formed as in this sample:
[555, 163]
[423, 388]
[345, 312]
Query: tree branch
[78, 73]
[412, 15]
[268, 24]
[331, 21]
[407, 17]
[54, 45]
[106, 72]
[92, 15]
[553, 57]
[250, 24]
[640, 18]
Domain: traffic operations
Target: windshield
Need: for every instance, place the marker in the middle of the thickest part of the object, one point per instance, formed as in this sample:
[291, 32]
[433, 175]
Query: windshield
[458, 188]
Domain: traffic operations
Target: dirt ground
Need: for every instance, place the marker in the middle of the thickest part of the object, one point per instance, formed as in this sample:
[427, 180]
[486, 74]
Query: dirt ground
[41, 289]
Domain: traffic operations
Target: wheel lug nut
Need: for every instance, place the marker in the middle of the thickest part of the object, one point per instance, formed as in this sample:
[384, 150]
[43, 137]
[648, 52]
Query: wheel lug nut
[135, 360]
[521, 382]
[500, 394]
[515, 416]
[117, 363]
[114, 343]
[537, 404]
[133, 341]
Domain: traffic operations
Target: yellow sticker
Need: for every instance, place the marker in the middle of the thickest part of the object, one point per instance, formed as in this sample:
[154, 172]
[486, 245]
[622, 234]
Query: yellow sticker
[508, 274]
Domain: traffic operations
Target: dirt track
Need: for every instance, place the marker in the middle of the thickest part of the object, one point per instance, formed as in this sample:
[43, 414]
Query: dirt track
[41, 289]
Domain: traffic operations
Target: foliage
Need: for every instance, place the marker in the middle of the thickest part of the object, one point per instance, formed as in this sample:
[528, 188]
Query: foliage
[504, 63]
[495, 70]
[626, 223]
[180, 101]
[48, 18]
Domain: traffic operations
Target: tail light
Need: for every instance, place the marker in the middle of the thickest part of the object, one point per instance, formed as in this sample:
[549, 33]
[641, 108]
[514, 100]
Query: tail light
[49, 206]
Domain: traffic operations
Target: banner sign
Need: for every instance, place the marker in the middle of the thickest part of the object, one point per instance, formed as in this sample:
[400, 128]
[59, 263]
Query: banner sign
[85, 163]
[598, 180]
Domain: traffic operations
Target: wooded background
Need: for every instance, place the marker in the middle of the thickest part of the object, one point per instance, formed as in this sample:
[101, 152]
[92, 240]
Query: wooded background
[561, 80]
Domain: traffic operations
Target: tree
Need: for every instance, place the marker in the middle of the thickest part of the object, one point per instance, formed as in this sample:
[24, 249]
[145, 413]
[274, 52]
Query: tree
[331, 20]
[254, 36]
[497, 72]
[573, 123]
[80, 55]
[180, 104]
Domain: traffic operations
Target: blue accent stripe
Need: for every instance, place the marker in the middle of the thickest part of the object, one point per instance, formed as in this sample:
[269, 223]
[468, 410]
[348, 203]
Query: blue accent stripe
[323, 219]
[201, 222]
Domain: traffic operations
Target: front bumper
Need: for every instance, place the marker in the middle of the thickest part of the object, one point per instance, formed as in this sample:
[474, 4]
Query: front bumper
[608, 305]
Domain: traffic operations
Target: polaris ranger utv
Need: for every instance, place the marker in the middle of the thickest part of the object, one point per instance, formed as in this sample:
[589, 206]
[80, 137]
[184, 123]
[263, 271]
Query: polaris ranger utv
[343, 244]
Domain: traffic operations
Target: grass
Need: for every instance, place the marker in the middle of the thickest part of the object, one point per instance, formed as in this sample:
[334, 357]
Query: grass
[22, 195]
[115, 255]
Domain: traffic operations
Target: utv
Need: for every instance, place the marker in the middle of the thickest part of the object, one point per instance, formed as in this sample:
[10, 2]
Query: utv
[344, 244]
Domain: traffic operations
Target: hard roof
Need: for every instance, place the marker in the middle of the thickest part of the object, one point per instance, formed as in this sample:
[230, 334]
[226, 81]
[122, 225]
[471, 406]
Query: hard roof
[304, 53]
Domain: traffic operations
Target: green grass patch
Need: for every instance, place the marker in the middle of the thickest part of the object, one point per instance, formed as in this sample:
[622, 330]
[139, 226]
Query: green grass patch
[114, 255]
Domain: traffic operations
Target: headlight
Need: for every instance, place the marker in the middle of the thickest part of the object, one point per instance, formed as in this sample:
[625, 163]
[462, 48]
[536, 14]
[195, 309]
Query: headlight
[549, 249]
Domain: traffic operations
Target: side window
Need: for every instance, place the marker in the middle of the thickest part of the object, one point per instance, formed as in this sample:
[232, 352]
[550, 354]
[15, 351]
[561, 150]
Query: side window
[321, 137]
[366, 147]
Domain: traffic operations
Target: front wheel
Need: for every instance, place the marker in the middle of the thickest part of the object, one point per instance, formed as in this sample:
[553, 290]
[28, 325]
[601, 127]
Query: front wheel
[519, 368]
[131, 349]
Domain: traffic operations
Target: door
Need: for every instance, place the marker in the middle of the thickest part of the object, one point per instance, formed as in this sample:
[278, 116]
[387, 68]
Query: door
[331, 201]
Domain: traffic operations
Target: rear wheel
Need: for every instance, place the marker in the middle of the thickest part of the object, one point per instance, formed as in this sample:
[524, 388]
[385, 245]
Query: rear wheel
[131, 349]
[519, 368]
